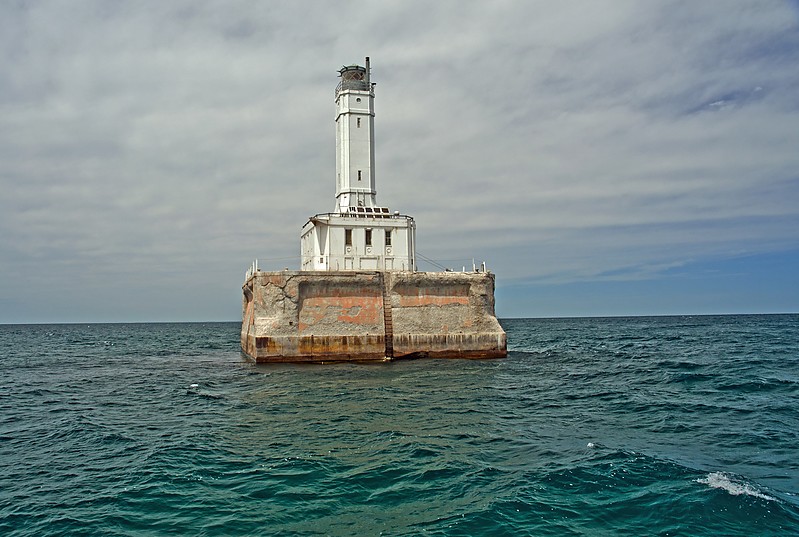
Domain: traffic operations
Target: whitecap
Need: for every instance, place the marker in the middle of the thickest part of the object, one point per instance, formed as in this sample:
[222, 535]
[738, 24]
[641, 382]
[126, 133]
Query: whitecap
[591, 445]
[720, 480]
[194, 385]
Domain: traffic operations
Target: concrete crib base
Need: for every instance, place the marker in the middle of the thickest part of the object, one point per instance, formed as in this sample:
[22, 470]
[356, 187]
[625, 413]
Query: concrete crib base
[304, 316]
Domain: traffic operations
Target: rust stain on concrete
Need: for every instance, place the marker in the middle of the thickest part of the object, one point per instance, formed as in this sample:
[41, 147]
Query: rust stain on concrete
[357, 310]
[406, 301]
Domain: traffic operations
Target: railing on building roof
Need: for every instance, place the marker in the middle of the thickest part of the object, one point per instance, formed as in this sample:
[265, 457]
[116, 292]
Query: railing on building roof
[357, 85]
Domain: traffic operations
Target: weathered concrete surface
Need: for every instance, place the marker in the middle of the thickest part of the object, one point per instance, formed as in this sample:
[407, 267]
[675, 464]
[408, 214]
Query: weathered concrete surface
[295, 316]
[292, 316]
[445, 314]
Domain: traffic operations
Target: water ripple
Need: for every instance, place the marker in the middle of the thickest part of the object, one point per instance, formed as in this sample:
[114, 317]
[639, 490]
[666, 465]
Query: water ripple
[633, 426]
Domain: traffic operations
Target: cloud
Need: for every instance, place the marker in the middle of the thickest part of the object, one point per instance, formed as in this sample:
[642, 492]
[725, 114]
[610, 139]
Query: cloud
[143, 142]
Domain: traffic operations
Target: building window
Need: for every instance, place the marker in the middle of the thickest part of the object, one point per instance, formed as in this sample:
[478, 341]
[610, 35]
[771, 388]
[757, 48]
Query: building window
[368, 237]
[359, 123]
[347, 237]
[388, 237]
[359, 175]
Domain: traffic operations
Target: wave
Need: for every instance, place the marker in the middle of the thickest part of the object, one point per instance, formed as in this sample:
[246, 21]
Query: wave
[720, 480]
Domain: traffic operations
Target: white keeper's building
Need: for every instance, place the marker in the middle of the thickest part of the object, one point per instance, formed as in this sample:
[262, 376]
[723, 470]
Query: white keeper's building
[359, 234]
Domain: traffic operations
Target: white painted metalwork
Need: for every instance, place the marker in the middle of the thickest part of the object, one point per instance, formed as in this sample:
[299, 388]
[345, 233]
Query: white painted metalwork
[358, 234]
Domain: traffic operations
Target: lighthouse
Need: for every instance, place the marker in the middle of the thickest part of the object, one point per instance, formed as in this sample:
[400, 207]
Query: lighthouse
[355, 141]
[358, 234]
[358, 295]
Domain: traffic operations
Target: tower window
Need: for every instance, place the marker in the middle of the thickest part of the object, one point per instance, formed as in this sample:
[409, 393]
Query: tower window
[388, 237]
[368, 237]
[347, 237]
[359, 175]
[359, 123]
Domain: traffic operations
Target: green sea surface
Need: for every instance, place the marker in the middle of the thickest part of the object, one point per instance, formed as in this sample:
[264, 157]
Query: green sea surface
[617, 426]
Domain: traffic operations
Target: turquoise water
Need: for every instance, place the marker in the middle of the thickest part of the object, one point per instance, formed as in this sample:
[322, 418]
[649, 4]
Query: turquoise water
[622, 426]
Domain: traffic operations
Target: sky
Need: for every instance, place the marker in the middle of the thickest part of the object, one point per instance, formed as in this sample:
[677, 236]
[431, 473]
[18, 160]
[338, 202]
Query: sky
[603, 158]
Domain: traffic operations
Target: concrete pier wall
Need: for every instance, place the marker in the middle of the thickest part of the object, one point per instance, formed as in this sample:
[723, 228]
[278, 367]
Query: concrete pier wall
[296, 316]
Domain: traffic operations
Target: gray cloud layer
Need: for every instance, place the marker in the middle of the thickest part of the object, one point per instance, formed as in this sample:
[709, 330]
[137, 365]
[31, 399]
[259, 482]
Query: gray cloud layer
[150, 150]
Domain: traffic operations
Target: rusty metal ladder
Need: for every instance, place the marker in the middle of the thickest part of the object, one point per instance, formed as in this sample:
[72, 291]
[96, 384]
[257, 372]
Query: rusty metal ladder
[387, 319]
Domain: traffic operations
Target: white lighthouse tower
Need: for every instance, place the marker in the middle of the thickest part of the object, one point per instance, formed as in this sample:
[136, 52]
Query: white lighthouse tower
[359, 234]
[358, 296]
[355, 142]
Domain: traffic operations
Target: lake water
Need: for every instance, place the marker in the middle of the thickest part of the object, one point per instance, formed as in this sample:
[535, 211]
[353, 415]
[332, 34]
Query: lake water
[617, 426]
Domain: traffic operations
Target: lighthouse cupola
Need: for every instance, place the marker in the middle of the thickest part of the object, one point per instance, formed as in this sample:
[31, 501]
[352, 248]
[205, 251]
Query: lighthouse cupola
[355, 143]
